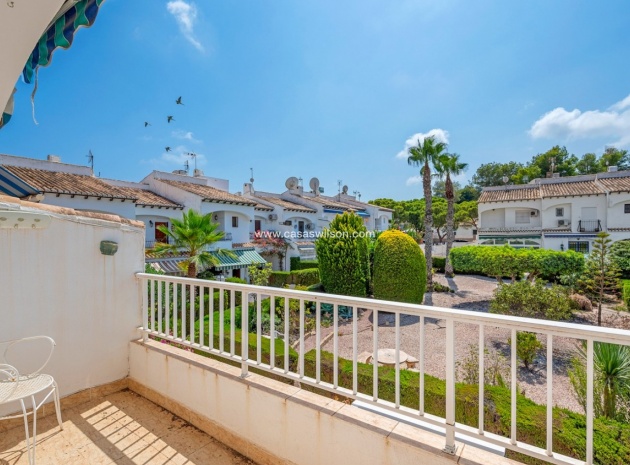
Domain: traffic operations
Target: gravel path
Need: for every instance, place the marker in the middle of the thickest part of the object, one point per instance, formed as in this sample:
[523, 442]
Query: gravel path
[471, 293]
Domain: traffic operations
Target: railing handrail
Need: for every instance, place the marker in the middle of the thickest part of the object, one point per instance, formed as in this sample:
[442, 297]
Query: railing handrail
[556, 328]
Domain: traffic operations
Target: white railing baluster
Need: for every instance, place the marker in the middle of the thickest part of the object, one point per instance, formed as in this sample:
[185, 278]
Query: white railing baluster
[355, 344]
[191, 323]
[375, 355]
[152, 317]
[590, 375]
[183, 317]
[167, 311]
[286, 333]
[233, 320]
[302, 323]
[272, 332]
[318, 339]
[482, 378]
[397, 361]
[144, 287]
[259, 328]
[160, 310]
[335, 346]
[175, 308]
[549, 395]
[202, 304]
[514, 372]
[211, 317]
[450, 446]
[222, 319]
[244, 334]
[421, 366]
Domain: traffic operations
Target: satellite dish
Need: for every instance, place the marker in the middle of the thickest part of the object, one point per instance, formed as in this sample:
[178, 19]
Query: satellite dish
[291, 183]
[314, 184]
[344, 190]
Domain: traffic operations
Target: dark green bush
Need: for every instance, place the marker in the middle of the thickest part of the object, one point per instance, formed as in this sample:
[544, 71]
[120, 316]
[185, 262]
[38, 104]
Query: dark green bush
[439, 263]
[533, 300]
[342, 252]
[298, 264]
[294, 263]
[527, 347]
[620, 254]
[626, 292]
[305, 277]
[235, 280]
[279, 278]
[316, 287]
[399, 268]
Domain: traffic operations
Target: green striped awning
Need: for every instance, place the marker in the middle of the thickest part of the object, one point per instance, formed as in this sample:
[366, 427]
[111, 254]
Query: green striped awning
[244, 258]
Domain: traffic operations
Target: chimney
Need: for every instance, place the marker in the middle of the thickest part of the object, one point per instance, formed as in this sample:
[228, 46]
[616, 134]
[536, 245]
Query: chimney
[197, 173]
[556, 175]
[248, 188]
[54, 158]
[612, 169]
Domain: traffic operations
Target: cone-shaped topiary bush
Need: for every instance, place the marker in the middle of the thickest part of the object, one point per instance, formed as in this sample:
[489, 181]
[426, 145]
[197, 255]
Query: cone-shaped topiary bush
[399, 268]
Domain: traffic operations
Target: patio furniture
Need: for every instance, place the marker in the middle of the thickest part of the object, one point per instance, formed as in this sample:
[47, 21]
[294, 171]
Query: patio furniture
[16, 387]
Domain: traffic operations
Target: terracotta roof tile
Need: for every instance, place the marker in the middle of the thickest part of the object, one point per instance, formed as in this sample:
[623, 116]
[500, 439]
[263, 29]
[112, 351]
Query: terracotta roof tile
[505, 194]
[333, 204]
[287, 205]
[208, 193]
[66, 183]
[567, 189]
[263, 207]
[149, 199]
[616, 184]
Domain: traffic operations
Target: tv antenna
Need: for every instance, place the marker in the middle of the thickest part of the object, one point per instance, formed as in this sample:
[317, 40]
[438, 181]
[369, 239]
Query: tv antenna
[251, 179]
[339, 182]
[357, 194]
[90, 157]
[187, 166]
[194, 157]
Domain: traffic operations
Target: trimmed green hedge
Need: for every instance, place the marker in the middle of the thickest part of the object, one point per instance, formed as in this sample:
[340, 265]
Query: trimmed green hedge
[305, 277]
[298, 264]
[626, 292]
[279, 278]
[507, 261]
[399, 268]
[439, 263]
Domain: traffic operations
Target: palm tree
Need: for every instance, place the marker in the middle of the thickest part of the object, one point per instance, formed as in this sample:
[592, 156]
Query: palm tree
[425, 154]
[447, 165]
[191, 236]
[612, 369]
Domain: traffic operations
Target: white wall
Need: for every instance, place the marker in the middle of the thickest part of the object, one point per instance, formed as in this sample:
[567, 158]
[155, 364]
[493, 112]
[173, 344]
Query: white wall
[224, 214]
[126, 209]
[617, 218]
[56, 282]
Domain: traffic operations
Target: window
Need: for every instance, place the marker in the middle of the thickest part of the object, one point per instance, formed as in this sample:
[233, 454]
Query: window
[560, 212]
[522, 216]
[235, 221]
[626, 208]
[579, 246]
[257, 227]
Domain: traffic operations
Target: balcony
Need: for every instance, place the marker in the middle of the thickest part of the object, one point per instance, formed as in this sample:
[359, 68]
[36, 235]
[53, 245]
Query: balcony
[589, 226]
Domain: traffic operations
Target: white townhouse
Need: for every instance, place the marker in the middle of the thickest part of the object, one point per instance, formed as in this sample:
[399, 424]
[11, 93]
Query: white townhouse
[557, 213]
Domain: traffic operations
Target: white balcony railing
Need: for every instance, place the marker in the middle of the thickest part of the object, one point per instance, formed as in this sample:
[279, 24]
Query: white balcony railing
[174, 309]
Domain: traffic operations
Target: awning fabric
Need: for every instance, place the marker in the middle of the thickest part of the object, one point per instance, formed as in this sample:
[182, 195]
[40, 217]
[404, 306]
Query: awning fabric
[7, 113]
[244, 258]
[170, 266]
[61, 34]
[14, 186]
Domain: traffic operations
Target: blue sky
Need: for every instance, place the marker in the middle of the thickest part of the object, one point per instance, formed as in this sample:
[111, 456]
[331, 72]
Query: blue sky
[331, 89]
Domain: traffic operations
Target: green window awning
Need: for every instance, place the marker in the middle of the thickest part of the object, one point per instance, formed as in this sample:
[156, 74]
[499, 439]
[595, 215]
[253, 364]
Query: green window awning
[244, 258]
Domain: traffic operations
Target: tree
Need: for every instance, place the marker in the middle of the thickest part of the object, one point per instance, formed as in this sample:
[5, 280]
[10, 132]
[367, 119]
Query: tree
[449, 165]
[259, 275]
[467, 212]
[191, 237]
[271, 245]
[601, 275]
[468, 193]
[588, 164]
[439, 189]
[614, 157]
[557, 159]
[491, 174]
[342, 253]
[426, 154]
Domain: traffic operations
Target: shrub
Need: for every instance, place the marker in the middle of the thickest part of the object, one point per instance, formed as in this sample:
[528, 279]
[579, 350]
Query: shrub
[294, 263]
[620, 254]
[580, 302]
[399, 268]
[533, 300]
[527, 347]
[305, 277]
[279, 278]
[343, 256]
[235, 280]
[439, 263]
[298, 264]
[626, 292]
[316, 287]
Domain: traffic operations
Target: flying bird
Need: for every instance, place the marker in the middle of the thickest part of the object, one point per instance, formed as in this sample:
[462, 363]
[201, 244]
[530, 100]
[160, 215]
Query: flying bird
[179, 101]
[146, 123]
[168, 149]
[169, 119]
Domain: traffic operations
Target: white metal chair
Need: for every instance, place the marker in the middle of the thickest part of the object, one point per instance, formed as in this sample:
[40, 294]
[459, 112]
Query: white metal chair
[16, 387]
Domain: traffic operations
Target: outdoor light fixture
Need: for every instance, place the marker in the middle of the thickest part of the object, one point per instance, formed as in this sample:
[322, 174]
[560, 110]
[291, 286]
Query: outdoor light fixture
[150, 223]
[216, 217]
[23, 220]
[109, 247]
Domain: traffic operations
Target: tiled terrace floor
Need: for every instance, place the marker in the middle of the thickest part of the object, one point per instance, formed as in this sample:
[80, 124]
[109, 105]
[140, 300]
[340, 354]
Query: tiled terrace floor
[123, 428]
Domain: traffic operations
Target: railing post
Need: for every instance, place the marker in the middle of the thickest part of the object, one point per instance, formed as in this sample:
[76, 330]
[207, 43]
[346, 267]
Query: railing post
[450, 447]
[144, 284]
[244, 333]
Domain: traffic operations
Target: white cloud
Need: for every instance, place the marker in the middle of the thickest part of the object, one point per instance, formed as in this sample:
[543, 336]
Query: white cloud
[176, 159]
[413, 180]
[186, 15]
[613, 123]
[440, 135]
[184, 135]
